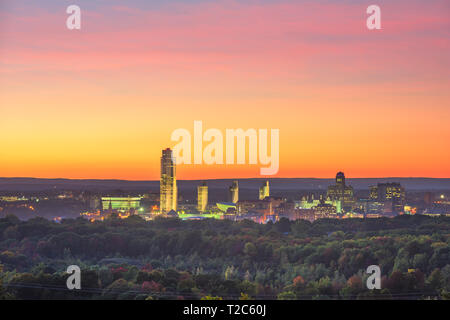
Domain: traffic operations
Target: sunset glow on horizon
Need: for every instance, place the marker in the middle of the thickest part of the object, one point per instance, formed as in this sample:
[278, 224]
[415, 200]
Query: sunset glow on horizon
[102, 102]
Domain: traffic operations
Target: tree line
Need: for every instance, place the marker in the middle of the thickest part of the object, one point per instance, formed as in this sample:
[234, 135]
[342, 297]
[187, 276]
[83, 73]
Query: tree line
[174, 259]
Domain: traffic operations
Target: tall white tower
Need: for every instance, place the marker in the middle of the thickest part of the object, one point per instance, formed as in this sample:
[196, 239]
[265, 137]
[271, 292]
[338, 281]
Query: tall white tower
[234, 192]
[264, 190]
[202, 197]
[168, 182]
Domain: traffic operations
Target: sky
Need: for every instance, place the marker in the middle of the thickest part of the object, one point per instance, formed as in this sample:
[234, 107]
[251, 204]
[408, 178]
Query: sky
[102, 102]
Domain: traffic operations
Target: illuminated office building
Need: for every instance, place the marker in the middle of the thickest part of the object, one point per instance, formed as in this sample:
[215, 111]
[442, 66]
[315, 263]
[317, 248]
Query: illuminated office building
[226, 206]
[168, 182]
[340, 191]
[121, 204]
[325, 209]
[428, 198]
[234, 192]
[389, 192]
[310, 203]
[202, 197]
[373, 195]
[264, 191]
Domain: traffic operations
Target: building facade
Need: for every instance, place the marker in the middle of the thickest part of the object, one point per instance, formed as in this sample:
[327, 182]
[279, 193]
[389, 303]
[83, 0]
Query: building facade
[389, 193]
[233, 192]
[121, 204]
[340, 191]
[264, 191]
[202, 197]
[168, 182]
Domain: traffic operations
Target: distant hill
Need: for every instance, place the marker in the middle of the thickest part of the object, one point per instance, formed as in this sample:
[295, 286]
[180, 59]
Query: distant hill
[276, 184]
[291, 188]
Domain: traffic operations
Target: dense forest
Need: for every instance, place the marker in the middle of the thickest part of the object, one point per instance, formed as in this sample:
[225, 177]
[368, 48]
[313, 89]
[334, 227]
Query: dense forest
[212, 259]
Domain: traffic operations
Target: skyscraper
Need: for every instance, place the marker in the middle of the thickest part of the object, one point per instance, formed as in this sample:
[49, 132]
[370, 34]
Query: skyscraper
[234, 192]
[340, 191]
[168, 182]
[202, 197]
[264, 190]
[385, 192]
[428, 198]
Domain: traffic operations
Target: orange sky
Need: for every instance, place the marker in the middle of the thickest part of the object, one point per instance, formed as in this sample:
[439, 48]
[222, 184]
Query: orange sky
[102, 102]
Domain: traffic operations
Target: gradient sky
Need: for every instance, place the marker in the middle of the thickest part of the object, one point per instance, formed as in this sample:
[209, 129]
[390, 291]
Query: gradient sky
[102, 102]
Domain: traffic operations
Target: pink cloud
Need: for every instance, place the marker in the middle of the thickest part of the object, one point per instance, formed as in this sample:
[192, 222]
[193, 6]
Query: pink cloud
[288, 40]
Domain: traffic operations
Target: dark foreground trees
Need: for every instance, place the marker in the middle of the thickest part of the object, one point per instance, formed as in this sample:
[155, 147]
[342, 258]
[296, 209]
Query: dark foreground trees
[173, 259]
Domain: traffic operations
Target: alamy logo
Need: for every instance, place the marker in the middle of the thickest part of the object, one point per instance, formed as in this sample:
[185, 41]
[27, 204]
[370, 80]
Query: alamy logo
[74, 20]
[74, 280]
[213, 153]
[374, 280]
[374, 20]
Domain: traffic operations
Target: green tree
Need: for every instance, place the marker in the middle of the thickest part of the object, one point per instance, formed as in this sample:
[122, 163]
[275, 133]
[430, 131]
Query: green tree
[287, 295]
[211, 298]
